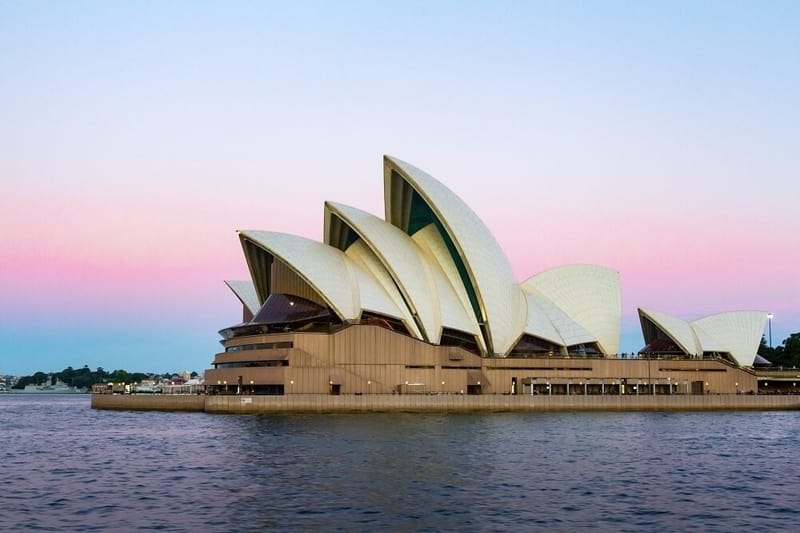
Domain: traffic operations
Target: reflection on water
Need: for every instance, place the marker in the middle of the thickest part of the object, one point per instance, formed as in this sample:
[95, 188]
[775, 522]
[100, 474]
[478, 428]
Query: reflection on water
[68, 467]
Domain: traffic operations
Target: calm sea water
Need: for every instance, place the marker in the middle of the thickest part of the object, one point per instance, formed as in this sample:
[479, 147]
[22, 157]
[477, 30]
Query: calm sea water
[67, 467]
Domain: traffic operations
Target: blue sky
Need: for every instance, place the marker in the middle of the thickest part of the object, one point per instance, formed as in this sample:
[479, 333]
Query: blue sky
[657, 138]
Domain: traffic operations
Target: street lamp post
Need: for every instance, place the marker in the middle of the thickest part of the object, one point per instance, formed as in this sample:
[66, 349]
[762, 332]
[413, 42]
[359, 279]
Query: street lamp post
[769, 320]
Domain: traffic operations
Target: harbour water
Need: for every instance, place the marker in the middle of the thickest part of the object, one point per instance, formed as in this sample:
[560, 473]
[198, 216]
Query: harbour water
[67, 467]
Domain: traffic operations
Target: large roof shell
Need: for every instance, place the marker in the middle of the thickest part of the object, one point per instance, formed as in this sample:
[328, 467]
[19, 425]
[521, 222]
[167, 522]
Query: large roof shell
[589, 295]
[501, 304]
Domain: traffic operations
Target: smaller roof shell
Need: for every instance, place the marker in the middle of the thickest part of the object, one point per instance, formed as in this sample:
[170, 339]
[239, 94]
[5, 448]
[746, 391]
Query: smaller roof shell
[340, 281]
[401, 258]
[587, 294]
[737, 333]
[246, 292]
[454, 306]
[676, 329]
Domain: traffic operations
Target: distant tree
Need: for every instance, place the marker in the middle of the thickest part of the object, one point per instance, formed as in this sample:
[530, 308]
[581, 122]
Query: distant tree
[790, 351]
[787, 354]
[39, 378]
[85, 377]
[765, 351]
[120, 376]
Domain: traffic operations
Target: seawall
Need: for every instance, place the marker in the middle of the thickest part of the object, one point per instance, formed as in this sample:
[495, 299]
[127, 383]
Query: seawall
[441, 403]
[149, 402]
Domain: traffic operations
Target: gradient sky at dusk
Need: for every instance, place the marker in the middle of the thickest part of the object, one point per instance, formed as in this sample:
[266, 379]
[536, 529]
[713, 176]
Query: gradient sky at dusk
[658, 138]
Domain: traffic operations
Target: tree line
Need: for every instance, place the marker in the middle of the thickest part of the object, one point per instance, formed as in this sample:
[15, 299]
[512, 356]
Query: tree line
[787, 354]
[84, 378]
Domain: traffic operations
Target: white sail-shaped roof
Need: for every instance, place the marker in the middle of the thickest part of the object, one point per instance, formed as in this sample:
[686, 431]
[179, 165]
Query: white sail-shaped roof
[489, 278]
[454, 306]
[377, 291]
[435, 266]
[246, 292]
[704, 341]
[341, 282]
[402, 259]
[739, 332]
[346, 285]
[539, 323]
[323, 267]
[676, 329]
[571, 332]
[589, 295]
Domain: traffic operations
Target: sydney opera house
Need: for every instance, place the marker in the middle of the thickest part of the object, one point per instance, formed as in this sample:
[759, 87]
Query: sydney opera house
[425, 301]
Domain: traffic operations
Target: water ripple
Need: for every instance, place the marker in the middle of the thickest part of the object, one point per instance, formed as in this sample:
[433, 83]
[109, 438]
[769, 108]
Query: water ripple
[70, 468]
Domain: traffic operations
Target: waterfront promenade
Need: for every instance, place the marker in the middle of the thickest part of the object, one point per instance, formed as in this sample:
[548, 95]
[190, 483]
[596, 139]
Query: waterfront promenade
[442, 403]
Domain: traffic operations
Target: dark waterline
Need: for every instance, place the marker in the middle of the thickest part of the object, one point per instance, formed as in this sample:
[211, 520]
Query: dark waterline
[68, 467]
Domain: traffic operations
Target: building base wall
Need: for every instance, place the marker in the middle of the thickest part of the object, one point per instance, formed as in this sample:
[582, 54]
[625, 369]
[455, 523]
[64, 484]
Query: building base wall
[454, 403]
